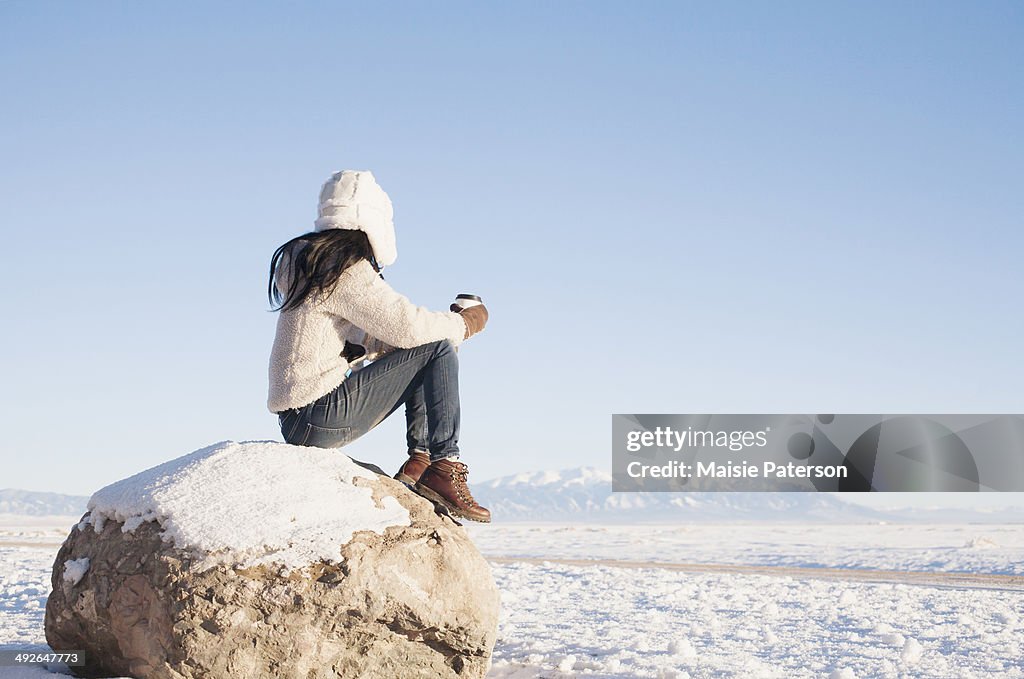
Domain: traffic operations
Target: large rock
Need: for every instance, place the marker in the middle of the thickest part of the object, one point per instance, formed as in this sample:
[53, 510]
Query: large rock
[270, 560]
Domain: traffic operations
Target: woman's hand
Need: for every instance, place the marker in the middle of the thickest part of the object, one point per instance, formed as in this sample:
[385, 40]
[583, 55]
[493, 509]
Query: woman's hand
[475, 318]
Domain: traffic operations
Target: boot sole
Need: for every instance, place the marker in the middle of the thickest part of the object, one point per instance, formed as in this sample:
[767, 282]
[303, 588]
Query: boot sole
[437, 499]
[406, 479]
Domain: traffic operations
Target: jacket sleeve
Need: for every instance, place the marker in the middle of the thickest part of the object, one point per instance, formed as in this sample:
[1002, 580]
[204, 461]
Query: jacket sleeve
[375, 348]
[369, 302]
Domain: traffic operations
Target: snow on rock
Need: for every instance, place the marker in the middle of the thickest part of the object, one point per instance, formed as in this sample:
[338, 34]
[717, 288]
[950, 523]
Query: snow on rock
[251, 503]
[75, 569]
[262, 560]
[843, 673]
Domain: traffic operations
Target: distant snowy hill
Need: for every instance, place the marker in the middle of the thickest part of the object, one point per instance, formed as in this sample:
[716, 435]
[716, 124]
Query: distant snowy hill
[32, 503]
[949, 515]
[585, 494]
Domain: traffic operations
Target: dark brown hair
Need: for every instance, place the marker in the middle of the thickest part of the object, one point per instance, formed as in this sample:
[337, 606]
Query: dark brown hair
[315, 260]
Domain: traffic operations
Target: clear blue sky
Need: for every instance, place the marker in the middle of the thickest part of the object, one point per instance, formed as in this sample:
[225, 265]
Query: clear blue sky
[668, 207]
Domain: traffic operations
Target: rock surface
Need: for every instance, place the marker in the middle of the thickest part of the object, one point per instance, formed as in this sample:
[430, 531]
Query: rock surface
[414, 600]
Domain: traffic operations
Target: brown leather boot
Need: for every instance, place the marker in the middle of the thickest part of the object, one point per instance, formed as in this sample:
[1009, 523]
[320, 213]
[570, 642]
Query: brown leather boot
[444, 482]
[413, 467]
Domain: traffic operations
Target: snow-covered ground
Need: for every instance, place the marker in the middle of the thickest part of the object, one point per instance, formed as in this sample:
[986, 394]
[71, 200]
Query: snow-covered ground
[982, 548]
[605, 621]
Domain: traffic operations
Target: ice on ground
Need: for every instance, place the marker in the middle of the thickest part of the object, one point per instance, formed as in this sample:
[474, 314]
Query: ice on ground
[75, 570]
[251, 503]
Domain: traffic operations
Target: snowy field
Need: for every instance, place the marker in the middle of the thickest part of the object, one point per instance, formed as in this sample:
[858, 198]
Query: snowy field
[610, 622]
[981, 548]
[605, 621]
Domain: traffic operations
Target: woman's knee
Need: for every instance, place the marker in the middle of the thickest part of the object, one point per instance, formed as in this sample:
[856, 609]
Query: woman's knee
[289, 422]
[445, 348]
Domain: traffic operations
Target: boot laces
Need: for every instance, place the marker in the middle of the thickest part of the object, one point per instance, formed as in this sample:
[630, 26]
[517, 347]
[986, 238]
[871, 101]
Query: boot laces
[459, 474]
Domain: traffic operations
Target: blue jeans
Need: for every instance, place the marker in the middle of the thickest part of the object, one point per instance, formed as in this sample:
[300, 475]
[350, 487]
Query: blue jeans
[424, 378]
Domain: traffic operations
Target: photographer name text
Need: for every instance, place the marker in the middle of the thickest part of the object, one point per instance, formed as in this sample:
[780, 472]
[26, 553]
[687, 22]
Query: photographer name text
[744, 470]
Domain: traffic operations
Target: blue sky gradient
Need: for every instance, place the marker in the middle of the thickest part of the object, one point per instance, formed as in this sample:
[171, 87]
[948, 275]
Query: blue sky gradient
[668, 207]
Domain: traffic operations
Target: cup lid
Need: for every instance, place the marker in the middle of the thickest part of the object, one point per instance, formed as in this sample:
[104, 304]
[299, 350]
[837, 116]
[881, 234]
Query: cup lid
[475, 298]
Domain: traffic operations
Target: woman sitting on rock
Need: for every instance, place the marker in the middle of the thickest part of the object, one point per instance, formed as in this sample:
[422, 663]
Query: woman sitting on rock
[336, 312]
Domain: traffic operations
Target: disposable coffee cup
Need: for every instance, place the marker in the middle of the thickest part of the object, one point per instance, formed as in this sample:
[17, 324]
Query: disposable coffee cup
[465, 301]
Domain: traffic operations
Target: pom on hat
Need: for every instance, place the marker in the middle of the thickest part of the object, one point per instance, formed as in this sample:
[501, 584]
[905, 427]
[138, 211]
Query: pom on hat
[352, 199]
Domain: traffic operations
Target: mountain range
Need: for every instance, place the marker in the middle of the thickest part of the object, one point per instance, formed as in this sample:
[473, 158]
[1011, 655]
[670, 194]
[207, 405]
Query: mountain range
[33, 503]
[584, 494]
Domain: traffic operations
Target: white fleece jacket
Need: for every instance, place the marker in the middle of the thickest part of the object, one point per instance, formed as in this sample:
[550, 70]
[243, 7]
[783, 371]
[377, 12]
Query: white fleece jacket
[306, 361]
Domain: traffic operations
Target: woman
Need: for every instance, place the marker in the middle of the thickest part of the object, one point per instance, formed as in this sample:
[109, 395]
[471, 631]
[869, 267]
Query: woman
[336, 312]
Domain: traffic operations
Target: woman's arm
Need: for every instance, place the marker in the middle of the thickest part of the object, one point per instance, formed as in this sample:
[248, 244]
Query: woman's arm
[369, 302]
[375, 348]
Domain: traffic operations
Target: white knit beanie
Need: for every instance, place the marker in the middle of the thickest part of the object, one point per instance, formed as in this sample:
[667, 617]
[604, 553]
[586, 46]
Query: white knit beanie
[352, 199]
